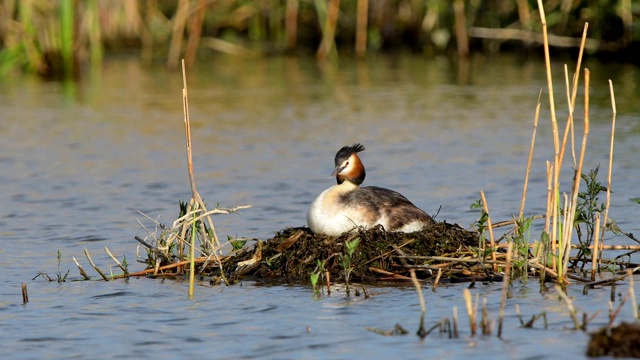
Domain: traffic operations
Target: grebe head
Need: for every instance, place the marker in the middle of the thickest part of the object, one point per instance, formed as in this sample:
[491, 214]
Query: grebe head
[348, 165]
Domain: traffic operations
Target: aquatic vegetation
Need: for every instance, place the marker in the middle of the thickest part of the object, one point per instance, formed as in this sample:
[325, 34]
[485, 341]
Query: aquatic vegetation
[346, 258]
[317, 273]
[60, 38]
[60, 277]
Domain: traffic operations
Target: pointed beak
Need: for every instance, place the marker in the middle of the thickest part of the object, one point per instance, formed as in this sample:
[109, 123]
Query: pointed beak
[337, 171]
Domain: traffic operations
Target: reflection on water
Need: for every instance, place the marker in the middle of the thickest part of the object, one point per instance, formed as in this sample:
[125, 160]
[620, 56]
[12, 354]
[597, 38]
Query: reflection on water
[76, 169]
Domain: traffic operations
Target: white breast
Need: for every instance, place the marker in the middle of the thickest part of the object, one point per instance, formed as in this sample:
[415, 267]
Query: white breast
[327, 216]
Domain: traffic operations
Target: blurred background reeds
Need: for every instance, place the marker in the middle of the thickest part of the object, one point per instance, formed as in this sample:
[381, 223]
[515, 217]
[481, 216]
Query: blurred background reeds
[60, 38]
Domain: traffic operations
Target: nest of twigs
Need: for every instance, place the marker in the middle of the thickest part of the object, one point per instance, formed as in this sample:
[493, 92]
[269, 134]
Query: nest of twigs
[294, 253]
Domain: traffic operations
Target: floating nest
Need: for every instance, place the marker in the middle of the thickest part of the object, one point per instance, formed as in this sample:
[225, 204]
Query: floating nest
[295, 253]
[619, 341]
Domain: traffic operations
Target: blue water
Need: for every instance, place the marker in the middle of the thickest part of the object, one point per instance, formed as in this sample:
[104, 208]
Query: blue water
[78, 165]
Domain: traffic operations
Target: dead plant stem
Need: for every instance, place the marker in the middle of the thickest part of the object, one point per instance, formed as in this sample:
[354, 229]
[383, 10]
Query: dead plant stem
[530, 158]
[632, 293]
[594, 252]
[572, 310]
[554, 125]
[613, 130]
[570, 215]
[82, 272]
[196, 196]
[505, 287]
[571, 99]
[115, 260]
[86, 252]
[437, 281]
[25, 293]
[491, 239]
[471, 310]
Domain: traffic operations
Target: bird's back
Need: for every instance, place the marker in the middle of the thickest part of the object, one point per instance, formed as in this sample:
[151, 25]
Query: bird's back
[387, 207]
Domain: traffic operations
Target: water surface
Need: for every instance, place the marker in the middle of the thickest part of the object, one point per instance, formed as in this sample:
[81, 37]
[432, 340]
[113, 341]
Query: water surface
[78, 164]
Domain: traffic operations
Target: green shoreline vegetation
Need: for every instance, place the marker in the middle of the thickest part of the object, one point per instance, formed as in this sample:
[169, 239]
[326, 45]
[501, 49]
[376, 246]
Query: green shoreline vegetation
[60, 38]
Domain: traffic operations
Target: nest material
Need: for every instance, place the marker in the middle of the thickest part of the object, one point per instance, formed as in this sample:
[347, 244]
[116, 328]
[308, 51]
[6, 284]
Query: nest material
[619, 341]
[294, 253]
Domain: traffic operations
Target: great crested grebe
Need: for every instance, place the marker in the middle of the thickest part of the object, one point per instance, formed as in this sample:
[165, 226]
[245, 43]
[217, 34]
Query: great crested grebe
[346, 206]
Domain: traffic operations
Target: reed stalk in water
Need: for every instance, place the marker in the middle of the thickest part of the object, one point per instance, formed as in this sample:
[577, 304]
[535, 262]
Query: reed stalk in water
[25, 293]
[596, 250]
[491, 239]
[81, 269]
[423, 307]
[472, 310]
[613, 131]
[505, 287]
[214, 244]
[530, 158]
[86, 252]
[554, 127]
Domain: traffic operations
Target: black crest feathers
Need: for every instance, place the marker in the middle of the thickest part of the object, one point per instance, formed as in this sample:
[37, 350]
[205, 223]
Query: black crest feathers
[346, 151]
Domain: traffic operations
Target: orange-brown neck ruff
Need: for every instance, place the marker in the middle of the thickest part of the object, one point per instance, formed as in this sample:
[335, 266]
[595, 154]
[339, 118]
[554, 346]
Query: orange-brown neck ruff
[354, 171]
[348, 165]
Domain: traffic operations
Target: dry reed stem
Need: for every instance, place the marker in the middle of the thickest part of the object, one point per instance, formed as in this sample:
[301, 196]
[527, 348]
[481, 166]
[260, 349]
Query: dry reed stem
[552, 108]
[634, 305]
[460, 24]
[437, 281]
[484, 321]
[548, 213]
[491, 239]
[505, 287]
[572, 310]
[571, 99]
[192, 255]
[25, 293]
[291, 24]
[394, 276]
[551, 272]
[613, 130]
[154, 271]
[570, 214]
[361, 27]
[196, 196]
[596, 241]
[519, 315]
[530, 158]
[82, 272]
[455, 322]
[471, 310]
[569, 129]
[86, 252]
[156, 268]
[423, 307]
[416, 283]
[568, 226]
[115, 260]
